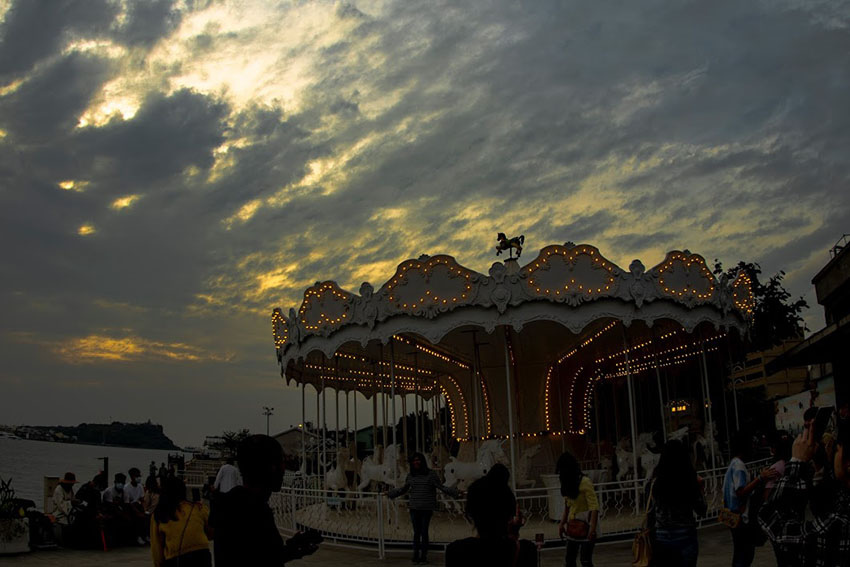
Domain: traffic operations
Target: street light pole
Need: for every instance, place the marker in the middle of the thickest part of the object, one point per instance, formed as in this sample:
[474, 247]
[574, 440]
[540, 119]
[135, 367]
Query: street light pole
[267, 411]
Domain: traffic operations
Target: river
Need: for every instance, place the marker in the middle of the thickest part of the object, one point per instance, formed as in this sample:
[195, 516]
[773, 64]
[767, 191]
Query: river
[28, 462]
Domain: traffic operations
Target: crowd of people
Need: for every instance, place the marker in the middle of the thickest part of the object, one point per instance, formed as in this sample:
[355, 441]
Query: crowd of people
[800, 503]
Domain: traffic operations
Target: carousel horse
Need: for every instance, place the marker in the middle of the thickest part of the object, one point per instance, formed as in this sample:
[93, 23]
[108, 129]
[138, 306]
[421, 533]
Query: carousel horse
[524, 467]
[335, 480]
[489, 453]
[384, 472]
[680, 434]
[510, 244]
[702, 449]
[625, 456]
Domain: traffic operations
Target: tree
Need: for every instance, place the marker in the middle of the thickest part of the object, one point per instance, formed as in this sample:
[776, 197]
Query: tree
[775, 317]
[230, 441]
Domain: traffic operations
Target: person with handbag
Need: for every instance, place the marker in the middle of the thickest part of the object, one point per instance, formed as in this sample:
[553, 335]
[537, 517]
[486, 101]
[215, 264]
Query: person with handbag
[676, 494]
[581, 512]
[737, 487]
[180, 530]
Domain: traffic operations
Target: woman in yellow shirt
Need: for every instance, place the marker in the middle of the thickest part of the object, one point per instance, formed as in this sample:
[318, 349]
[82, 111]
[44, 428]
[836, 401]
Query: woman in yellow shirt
[180, 530]
[581, 512]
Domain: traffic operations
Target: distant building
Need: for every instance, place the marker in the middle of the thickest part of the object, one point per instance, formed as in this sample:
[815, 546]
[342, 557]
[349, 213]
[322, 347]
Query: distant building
[826, 351]
[778, 383]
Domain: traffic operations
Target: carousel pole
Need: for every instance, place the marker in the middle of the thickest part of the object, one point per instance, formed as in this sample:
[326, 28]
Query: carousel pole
[324, 424]
[375, 415]
[392, 397]
[474, 385]
[383, 404]
[661, 401]
[404, 422]
[598, 426]
[510, 408]
[318, 432]
[303, 428]
[709, 408]
[416, 409]
[347, 428]
[632, 420]
[561, 407]
[356, 456]
[392, 388]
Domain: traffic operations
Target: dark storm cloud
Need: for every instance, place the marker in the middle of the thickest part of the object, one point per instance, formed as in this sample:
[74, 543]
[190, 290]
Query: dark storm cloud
[35, 29]
[146, 22]
[48, 105]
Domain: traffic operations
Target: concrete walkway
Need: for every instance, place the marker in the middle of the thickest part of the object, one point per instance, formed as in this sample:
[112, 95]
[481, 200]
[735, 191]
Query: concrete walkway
[715, 551]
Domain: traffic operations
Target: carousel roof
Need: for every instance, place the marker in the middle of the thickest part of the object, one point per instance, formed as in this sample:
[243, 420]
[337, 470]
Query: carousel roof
[435, 323]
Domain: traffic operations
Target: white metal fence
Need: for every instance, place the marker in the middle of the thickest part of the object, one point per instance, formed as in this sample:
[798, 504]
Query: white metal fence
[371, 519]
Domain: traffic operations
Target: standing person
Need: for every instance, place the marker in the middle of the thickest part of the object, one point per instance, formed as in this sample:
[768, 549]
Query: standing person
[163, 473]
[737, 488]
[151, 470]
[422, 483]
[677, 493]
[581, 512]
[491, 506]
[63, 499]
[823, 541]
[180, 530]
[228, 477]
[245, 530]
[780, 450]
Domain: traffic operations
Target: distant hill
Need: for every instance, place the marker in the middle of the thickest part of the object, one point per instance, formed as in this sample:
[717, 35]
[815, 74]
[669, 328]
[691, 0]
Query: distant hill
[138, 435]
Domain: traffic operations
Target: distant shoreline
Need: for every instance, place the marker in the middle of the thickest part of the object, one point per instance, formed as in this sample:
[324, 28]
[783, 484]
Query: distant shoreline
[145, 447]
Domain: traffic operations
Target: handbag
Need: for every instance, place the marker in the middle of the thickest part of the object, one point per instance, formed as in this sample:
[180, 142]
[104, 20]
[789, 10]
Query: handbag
[642, 544]
[729, 518]
[175, 561]
[577, 529]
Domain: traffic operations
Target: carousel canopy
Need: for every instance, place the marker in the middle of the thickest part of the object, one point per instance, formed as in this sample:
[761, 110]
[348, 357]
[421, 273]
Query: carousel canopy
[565, 320]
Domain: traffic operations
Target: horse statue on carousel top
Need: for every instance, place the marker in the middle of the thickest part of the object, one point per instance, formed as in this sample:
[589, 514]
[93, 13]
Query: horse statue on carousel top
[510, 244]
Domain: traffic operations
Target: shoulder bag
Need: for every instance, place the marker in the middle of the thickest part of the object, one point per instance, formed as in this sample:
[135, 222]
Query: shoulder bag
[175, 561]
[642, 544]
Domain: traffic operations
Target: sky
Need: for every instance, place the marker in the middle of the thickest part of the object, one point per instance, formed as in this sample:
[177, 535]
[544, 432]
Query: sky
[170, 171]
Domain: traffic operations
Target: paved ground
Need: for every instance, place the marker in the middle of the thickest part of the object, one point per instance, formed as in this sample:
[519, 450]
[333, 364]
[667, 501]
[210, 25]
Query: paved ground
[715, 551]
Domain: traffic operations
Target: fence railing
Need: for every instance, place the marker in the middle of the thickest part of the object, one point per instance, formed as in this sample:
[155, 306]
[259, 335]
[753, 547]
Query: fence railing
[371, 519]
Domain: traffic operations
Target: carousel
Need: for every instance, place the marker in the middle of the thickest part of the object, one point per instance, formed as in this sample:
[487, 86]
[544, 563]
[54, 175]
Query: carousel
[567, 351]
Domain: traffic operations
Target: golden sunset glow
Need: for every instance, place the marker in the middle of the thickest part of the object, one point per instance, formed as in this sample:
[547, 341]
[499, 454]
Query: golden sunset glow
[104, 348]
[86, 230]
[124, 202]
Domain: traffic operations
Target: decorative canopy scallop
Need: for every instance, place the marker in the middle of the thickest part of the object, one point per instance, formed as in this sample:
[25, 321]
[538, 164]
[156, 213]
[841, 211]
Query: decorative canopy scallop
[570, 284]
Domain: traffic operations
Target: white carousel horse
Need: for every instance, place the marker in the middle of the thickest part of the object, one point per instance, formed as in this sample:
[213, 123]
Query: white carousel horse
[385, 472]
[680, 434]
[702, 449]
[335, 478]
[439, 456]
[524, 466]
[625, 457]
[489, 453]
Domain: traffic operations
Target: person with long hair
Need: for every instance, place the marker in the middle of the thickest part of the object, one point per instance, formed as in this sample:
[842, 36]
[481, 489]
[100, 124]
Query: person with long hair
[422, 483]
[780, 450]
[676, 493]
[491, 507]
[580, 519]
[180, 530]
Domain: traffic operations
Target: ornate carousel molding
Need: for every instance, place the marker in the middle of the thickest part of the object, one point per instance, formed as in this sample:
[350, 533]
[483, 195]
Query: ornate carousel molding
[573, 285]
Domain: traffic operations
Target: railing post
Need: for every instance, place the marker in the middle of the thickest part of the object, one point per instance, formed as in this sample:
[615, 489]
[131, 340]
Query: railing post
[380, 502]
[292, 508]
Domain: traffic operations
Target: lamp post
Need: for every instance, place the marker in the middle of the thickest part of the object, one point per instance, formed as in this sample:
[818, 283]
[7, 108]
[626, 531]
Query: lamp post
[268, 412]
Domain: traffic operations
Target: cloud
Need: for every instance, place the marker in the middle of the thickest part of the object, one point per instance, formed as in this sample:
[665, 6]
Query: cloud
[97, 348]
